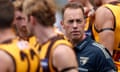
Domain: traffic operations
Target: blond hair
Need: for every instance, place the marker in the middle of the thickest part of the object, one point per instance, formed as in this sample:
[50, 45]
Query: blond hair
[18, 5]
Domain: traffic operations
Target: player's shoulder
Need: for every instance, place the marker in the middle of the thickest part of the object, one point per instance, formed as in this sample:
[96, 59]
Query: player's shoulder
[103, 11]
[63, 52]
[5, 59]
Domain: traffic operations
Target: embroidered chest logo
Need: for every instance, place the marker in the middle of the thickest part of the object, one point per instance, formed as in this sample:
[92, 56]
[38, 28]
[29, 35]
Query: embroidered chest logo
[83, 60]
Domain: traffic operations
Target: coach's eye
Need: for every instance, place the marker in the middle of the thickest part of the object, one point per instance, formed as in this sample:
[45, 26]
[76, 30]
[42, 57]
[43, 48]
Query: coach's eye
[78, 21]
[70, 21]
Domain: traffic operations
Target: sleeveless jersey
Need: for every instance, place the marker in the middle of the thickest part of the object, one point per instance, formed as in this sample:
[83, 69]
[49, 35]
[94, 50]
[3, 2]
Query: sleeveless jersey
[32, 40]
[87, 24]
[88, 27]
[24, 59]
[46, 52]
[115, 9]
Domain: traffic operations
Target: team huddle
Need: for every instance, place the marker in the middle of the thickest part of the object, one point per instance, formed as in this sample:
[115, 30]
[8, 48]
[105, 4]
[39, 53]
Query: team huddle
[29, 41]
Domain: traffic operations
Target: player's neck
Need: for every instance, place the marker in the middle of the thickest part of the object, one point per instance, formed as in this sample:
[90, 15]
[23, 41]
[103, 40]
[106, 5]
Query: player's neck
[45, 34]
[6, 34]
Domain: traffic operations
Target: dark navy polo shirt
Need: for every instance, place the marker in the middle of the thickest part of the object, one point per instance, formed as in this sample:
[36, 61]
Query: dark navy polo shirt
[93, 57]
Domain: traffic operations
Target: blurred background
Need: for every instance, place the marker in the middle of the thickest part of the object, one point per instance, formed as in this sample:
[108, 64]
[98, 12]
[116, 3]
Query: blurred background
[59, 5]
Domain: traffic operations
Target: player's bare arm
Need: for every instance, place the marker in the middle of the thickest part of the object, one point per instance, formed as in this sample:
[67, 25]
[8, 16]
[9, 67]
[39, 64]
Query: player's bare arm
[104, 23]
[64, 59]
[6, 63]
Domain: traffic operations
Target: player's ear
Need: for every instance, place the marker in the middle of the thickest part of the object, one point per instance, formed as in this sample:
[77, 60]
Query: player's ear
[32, 20]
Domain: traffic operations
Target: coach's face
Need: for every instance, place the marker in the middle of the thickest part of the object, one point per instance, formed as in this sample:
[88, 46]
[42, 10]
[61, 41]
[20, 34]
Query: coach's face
[73, 23]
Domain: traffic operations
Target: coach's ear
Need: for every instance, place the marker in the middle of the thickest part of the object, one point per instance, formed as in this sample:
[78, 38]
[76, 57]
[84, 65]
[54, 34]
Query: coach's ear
[62, 23]
[86, 23]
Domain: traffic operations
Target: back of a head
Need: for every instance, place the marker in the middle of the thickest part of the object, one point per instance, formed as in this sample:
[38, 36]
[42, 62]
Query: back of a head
[43, 10]
[6, 14]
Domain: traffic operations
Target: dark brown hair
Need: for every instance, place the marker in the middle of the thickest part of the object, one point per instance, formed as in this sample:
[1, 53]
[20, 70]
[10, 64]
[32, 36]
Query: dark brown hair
[73, 5]
[6, 14]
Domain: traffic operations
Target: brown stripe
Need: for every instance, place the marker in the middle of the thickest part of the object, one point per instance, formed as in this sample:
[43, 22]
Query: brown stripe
[23, 56]
[53, 40]
[114, 2]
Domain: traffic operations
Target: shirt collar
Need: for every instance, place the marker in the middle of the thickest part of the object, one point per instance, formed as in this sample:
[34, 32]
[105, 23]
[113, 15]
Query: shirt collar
[83, 43]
